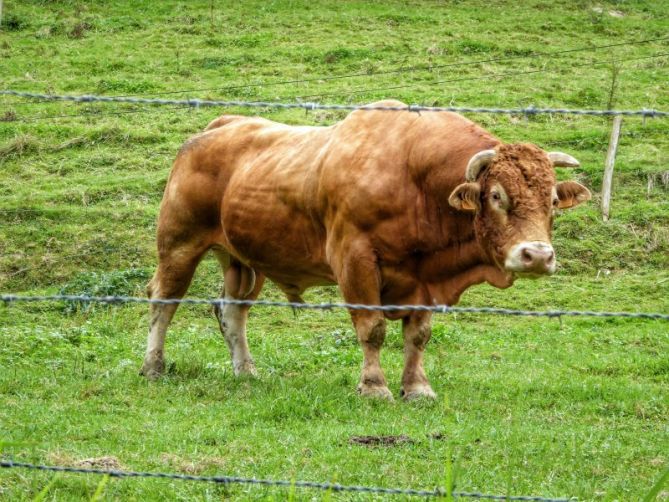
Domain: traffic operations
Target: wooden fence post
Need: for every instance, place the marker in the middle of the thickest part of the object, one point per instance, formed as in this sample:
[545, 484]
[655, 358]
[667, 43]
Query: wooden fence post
[608, 166]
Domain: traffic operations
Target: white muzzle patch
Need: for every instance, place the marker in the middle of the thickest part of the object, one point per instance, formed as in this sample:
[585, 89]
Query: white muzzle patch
[531, 257]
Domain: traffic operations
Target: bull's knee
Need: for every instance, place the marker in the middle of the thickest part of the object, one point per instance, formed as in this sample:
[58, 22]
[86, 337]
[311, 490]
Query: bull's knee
[420, 337]
[371, 330]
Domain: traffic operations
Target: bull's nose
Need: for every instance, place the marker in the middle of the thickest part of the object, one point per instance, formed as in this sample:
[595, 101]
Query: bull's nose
[531, 257]
[537, 257]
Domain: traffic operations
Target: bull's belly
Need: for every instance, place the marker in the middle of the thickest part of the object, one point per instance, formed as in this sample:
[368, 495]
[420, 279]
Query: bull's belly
[283, 264]
[288, 250]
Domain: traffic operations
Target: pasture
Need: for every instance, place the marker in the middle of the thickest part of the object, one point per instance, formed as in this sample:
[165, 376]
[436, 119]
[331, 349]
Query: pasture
[526, 406]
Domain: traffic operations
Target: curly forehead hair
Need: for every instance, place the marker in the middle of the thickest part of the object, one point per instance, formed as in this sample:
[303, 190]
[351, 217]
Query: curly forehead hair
[525, 172]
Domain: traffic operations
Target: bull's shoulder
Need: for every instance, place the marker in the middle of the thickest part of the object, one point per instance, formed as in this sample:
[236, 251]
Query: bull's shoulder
[440, 145]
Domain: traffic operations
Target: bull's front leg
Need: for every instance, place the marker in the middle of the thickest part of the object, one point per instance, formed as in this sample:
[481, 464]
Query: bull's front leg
[371, 330]
[359, 281]
[417, 332]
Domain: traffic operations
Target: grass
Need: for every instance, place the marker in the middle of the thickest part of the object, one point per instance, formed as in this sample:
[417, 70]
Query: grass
[526, 406]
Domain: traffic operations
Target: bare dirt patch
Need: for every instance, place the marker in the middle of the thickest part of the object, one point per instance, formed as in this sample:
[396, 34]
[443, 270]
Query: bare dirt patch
[380, 440]
[105, 463]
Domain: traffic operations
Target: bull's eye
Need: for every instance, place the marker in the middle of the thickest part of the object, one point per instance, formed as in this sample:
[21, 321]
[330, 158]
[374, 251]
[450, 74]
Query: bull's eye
[498, 200]
[556, 201]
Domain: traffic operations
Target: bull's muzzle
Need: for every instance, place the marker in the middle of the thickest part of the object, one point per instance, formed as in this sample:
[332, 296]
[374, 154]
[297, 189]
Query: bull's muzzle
[533, 258]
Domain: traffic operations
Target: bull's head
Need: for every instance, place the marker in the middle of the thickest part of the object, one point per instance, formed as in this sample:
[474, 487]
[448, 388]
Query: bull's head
[513, 192]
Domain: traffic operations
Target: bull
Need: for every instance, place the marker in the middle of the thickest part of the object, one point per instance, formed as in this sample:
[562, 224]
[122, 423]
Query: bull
[393, 207]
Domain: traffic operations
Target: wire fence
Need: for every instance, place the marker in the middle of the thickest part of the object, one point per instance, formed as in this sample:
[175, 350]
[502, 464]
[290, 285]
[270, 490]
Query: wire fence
[529, 110]
[8, 299]
[432, 67]
[437, 309]
[328, 487]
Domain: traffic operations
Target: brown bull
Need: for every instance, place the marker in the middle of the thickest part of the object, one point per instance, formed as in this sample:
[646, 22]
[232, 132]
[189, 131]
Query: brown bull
[394, 207]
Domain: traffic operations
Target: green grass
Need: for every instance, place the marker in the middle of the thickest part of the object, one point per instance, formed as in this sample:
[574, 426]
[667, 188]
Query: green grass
[526, 406]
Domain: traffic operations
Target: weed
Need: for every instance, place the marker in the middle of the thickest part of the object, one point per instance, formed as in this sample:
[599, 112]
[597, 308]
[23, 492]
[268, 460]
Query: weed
[79, 29]
[19, 146]
[116, 283]
[8, 116]
[343, 53]
[13, 22]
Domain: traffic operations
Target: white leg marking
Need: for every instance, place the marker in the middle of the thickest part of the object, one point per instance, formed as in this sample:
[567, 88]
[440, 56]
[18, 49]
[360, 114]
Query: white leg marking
[154, 363]
[232, 320]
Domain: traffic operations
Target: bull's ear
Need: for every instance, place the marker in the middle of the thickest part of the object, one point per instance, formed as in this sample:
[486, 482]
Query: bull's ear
[465, 197]
[571, 194]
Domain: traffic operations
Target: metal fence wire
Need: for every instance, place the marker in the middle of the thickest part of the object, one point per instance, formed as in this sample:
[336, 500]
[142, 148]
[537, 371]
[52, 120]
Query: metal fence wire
[196, 103]
[328, 487]
[437, 309]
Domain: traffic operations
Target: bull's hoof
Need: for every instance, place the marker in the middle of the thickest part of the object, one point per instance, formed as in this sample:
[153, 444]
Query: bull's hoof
[245, 368]
[375, 391]
[152, 369]
[418, 392]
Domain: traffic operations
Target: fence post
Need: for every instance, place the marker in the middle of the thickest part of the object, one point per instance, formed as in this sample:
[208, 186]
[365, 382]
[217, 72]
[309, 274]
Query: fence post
[0, 14]
[608, 166]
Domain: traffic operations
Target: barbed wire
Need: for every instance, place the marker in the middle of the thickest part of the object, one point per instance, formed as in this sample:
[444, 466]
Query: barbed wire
[332, 487]
[530, 110]
[99, 113]
[437, 309]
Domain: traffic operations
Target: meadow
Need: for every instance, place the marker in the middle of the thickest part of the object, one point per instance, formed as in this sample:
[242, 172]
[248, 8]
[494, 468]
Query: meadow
[526, 406]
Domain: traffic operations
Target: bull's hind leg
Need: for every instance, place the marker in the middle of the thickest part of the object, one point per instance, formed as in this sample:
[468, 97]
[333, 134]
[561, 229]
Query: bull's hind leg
[171, 280]
[240, 283]
[417, 333]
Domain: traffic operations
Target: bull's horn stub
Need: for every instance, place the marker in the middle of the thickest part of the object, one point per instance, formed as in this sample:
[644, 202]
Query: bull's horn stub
[478, 162]
[560, 159]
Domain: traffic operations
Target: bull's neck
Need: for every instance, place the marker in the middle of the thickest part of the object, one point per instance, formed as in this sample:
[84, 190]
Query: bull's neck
[453, 250]
[449, 238]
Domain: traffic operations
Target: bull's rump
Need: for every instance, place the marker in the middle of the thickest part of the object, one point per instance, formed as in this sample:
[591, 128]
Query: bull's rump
[249, 184]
